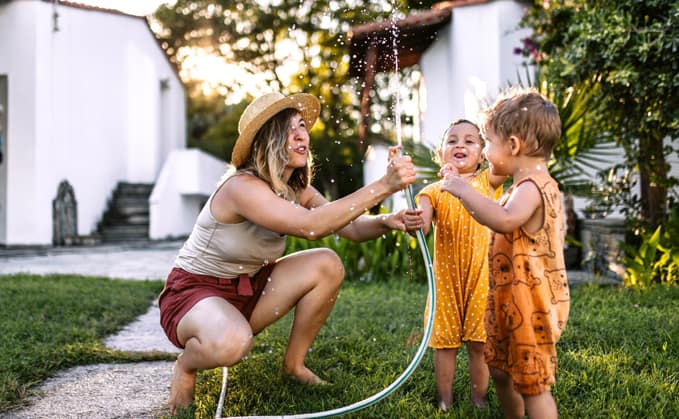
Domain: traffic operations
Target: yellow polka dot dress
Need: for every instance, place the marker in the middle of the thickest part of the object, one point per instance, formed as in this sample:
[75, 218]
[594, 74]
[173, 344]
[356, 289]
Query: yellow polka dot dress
[460, 267]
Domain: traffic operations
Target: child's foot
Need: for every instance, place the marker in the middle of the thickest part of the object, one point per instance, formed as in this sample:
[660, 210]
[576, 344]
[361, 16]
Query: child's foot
[181, 389]
[304, 376]
[445, 404]
[480, 402]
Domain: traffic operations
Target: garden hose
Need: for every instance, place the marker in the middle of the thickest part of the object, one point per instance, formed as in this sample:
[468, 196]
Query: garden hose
[422, 242]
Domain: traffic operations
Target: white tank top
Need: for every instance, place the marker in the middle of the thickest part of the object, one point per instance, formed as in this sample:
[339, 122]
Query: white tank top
[228, 250]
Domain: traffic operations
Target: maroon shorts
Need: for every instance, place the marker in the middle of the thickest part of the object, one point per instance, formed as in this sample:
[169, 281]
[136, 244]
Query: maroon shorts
[184, 289]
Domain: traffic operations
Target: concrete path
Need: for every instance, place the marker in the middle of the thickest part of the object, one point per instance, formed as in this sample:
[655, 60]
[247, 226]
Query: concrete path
[134, 390]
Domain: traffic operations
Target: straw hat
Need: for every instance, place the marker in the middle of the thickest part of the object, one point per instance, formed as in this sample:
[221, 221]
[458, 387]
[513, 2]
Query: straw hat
[261, 110]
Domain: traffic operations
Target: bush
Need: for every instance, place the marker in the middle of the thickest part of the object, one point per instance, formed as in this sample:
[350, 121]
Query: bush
[394, 254]
[657, 257]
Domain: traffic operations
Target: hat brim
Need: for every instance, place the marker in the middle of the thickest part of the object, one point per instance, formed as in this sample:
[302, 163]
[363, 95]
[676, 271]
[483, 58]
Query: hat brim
[308, 105]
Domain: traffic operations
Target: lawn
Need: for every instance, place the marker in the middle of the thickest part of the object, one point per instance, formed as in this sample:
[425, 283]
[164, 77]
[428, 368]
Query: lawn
[55, 322]
[618, 357]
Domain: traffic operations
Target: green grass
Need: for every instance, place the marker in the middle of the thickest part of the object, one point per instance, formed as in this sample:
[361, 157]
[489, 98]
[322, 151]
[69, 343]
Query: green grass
[54, 322]
[617, 359]
[619, 356]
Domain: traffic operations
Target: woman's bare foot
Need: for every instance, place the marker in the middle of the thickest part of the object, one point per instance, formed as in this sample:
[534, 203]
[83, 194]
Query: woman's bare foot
[181, 389]
[304, 376]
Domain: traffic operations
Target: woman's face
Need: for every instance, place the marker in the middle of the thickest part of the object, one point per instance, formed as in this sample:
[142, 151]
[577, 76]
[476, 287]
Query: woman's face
[298, 142]
[461, 147]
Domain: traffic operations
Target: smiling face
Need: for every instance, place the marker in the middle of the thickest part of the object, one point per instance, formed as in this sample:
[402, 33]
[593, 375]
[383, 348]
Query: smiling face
[461, 146]
[498, 153]
[297, 142]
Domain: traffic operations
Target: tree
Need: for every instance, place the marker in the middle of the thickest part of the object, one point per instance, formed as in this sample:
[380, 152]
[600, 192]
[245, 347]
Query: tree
[631, 47]
[284, 45]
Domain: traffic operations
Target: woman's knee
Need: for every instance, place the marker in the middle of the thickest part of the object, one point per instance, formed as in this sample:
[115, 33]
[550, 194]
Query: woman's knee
[230, 347]
[329, 265]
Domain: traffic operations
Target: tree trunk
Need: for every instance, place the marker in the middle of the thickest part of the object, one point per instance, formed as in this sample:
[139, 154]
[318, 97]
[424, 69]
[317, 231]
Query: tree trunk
[653, 180]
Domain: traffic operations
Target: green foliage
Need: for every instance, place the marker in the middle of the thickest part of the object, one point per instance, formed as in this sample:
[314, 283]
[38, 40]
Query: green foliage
[55, 322]
[268, 41]
[392, 255]
[642, 264]
[656, 259]
[629, 46]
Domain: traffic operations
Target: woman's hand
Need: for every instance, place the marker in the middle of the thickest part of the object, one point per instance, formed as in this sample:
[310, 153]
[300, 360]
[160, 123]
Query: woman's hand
[404, 220]
[400, 170]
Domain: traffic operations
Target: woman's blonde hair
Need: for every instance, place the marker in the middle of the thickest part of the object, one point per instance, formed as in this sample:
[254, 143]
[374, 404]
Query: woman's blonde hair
[269, 157]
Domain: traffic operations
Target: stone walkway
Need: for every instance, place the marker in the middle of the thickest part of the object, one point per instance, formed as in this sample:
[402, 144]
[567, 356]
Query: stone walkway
[132, 390]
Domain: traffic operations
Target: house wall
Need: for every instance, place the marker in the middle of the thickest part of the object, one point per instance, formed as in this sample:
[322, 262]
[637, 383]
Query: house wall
[18, 62]
[469, 63]
[95, 102]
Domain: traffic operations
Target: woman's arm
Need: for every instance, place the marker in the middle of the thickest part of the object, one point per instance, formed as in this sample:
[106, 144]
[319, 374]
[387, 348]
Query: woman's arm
[247, 197]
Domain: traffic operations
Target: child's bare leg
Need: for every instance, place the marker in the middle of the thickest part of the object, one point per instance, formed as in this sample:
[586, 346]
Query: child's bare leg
[478, 373]
[445, 361]
[510, 400]
[541, 406]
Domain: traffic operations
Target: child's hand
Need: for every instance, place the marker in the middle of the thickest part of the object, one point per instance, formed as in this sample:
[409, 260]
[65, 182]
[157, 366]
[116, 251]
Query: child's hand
[412, 219]
[452, 182]
[405, 220]
[448, 169]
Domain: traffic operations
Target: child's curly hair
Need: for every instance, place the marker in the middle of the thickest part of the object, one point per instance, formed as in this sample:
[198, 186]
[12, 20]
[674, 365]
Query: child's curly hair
[528, 115]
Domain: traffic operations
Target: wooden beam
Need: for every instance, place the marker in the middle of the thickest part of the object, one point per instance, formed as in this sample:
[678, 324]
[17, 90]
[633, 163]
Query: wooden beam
[368, 82]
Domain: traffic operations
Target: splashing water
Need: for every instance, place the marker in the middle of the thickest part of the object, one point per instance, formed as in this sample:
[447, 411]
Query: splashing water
[395, 80]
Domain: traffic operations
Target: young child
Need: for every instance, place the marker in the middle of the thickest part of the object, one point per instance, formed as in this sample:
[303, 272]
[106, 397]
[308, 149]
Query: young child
[460, 263]
[528, 298]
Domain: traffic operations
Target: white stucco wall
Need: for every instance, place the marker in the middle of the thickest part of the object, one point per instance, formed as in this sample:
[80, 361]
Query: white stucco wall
[186, 181]
[18, 62]
[471, 60]
[86, 105]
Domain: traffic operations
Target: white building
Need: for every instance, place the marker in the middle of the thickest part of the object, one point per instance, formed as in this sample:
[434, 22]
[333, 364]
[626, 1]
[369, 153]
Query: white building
[87, 96]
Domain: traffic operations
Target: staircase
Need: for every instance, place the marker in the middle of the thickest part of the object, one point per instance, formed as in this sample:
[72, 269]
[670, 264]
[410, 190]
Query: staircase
[127, 216]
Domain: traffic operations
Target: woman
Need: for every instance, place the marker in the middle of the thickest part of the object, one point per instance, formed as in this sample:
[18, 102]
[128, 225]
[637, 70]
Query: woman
[229, 281]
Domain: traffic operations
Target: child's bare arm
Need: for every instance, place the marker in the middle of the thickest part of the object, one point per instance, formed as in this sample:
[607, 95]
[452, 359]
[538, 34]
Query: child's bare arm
[427, 213]
[518, 210]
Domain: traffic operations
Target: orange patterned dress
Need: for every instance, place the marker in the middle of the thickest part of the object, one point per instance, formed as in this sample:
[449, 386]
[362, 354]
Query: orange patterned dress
[460, 267]
[528, 299]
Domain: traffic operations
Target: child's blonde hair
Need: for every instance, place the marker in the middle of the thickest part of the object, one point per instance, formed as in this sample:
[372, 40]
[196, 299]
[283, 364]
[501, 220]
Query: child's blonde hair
[528, 115]
[437, 156]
